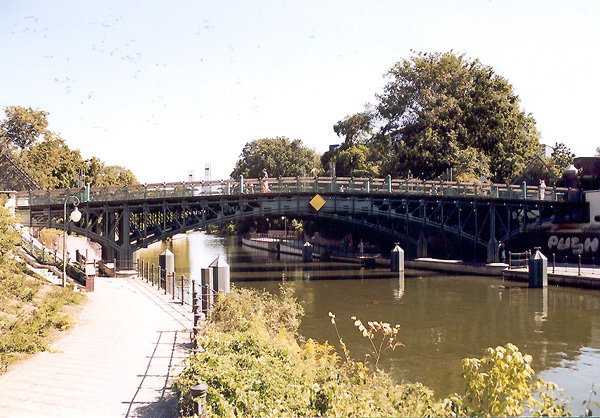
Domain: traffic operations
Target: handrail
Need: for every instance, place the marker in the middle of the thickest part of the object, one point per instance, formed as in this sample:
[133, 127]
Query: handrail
[46, 257]
[356, 185]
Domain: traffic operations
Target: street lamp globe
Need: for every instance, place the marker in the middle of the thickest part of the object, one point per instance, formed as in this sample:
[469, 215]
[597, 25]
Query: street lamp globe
[75, 215]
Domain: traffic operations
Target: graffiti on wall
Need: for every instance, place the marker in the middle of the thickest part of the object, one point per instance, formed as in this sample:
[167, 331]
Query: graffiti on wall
[573, 244]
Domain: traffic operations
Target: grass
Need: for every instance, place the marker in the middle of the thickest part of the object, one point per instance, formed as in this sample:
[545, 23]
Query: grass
[31, 312]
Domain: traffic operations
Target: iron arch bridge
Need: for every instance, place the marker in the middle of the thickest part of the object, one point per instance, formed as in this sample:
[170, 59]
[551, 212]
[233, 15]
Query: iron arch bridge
[474, 215]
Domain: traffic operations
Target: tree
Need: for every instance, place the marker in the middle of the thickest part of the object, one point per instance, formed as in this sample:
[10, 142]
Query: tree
[280, 156]
[597, 151]
[47, 158]
[561, 157]
[52, 163]
[354, 157]
[23, 126]
[441, 111]
[98, 174]
[356, 160]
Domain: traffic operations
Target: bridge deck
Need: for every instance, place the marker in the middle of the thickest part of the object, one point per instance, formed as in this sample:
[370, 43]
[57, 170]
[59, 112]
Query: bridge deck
[292, 185]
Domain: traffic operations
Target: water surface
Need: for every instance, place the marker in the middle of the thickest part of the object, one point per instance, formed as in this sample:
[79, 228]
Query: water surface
[442, 318]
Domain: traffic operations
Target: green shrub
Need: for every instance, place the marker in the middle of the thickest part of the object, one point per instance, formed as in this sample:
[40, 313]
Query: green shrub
[255, 364]
[27, 316]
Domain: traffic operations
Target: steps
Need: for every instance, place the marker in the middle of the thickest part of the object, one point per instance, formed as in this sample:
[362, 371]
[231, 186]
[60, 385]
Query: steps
[46, 274]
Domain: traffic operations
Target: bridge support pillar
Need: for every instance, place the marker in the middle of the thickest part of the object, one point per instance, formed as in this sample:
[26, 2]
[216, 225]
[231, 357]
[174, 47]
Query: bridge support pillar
[422, 246]
[492, 250]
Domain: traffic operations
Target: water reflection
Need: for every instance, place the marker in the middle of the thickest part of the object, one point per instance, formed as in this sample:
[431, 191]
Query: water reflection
[398, 293]
[443, 318]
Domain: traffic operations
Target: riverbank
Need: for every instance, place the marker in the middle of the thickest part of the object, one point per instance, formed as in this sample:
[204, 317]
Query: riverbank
[570, 276]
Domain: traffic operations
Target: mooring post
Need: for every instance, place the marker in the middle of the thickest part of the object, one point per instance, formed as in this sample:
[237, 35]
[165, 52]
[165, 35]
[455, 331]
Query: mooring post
[397, 258]
[579, 264]
[307, 252]
[538, 269]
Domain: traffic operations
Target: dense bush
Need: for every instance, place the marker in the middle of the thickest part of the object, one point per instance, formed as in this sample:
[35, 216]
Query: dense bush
[256, 364]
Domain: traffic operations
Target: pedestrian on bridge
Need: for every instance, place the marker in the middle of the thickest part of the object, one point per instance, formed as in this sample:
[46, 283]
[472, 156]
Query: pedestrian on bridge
[542, 189]
[265, 181]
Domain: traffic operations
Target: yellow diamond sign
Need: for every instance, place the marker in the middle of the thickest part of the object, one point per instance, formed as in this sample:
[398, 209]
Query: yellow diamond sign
[317, 202]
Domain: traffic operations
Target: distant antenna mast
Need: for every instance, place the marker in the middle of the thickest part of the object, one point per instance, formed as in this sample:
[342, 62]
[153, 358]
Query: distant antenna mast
[207, 172]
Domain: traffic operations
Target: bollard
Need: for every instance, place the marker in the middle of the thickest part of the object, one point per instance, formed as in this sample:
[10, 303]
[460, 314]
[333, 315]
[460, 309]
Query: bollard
[199, 396]
[307, 252]
[166, 261]
[221, 275]
[538, 270]
[553, 262]
[90, 275]
[579, 264]
[397, 258]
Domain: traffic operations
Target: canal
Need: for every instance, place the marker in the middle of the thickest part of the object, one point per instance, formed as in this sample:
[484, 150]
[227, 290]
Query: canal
[442, 318]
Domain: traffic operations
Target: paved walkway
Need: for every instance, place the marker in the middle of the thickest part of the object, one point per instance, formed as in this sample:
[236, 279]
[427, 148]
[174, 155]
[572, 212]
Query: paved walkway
[119, 360]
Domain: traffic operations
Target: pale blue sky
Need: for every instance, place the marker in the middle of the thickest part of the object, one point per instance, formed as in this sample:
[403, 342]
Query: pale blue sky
[163, 87]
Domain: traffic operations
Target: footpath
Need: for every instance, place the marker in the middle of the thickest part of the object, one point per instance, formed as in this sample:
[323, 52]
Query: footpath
[119, 360]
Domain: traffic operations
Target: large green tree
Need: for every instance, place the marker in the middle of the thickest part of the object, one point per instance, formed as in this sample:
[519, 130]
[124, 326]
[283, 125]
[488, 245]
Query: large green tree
[281, 156]
[443, 110]
[46, 157]
[23, 126]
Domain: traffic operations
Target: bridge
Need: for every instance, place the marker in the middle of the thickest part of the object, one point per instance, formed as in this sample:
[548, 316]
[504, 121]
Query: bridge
[474, 216]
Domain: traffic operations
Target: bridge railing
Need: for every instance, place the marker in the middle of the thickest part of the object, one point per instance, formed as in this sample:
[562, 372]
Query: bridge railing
[315, 185]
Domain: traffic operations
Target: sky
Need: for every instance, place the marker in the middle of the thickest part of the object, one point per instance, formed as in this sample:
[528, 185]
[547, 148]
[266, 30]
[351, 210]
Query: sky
[166, 87]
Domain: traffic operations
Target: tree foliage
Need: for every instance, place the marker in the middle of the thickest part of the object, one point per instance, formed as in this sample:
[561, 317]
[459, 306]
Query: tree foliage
[443, 110]
[280, 156]
[23, 126]
[47, 158]
[561, 157]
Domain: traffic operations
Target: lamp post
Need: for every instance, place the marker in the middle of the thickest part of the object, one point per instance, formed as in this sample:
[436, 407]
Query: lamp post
[75, 217]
